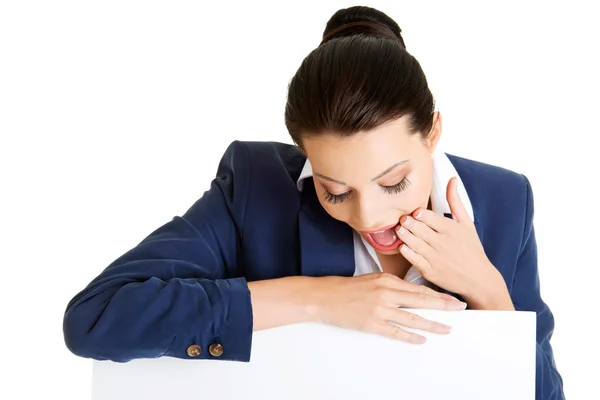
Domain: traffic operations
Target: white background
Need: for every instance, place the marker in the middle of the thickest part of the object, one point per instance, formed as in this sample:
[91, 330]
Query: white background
[114, 115]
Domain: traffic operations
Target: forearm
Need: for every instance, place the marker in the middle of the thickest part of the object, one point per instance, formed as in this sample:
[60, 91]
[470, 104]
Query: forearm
[283, 301]
[120, 320]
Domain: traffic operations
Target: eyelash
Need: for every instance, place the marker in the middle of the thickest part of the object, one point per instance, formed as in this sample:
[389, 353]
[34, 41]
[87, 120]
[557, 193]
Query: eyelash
[338, 198]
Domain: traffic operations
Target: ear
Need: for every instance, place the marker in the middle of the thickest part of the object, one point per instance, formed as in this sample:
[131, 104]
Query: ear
[435, 133]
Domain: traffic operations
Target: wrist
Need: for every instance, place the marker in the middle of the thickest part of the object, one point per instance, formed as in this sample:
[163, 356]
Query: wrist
[284, 301]
[316, 297]
[493, 296]
[308, 298]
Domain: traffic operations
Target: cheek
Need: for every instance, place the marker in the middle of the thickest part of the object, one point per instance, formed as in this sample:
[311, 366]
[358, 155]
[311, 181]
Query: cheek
[425, 189]
[418, 193]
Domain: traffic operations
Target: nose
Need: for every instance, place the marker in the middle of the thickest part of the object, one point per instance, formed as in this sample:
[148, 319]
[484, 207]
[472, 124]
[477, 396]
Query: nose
[367, 214]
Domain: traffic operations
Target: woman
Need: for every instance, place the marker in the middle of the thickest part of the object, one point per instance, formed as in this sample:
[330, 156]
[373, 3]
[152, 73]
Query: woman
[362, 216]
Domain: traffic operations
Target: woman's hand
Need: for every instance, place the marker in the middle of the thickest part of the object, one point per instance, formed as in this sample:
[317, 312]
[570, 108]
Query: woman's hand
[367, 302]
[449, 254]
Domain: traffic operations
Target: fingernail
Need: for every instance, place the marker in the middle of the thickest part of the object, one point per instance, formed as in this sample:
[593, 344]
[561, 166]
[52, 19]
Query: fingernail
[407, 221]
[456, 305]
[419, 214]
[417, 339]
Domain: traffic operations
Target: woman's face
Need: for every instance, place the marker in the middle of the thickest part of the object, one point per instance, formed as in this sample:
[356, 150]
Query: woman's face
[370, 180]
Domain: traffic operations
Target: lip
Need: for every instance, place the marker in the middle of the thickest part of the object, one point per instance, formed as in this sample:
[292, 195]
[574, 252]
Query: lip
[377, 246]
[384, 228]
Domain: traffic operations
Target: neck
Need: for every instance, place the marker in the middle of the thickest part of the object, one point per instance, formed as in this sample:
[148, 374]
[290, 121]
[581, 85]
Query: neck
[394, 264]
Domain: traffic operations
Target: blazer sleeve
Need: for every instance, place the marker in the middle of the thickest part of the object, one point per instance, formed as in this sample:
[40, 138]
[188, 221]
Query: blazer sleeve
[526, 297]
[182, 285]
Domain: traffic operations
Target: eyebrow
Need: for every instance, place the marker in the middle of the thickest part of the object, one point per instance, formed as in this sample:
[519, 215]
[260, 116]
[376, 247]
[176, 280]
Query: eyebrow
[386, 171]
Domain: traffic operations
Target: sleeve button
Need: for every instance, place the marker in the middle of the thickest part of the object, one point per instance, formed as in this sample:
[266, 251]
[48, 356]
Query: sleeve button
[215, 349]
[194, 350]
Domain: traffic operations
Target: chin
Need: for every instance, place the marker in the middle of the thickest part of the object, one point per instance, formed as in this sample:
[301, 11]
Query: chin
[389, 252]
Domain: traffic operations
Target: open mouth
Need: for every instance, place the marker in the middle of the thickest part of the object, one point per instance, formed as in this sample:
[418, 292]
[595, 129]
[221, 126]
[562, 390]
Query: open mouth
[385, 239]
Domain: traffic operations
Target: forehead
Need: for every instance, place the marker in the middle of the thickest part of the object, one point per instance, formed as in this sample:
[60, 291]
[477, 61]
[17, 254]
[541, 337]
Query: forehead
[363, 155]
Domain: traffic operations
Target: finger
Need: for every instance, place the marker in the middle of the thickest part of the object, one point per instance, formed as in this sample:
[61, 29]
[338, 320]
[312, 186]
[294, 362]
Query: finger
[416, 288]
[420, 230]
[397, 333]
[417, 244]
[393, 282]
[458, 210]
[435, 221]
[415, 321]
[416, 259]
[424, 301]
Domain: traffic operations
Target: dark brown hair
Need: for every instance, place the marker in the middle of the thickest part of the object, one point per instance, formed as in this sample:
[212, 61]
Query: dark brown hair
[359, 77]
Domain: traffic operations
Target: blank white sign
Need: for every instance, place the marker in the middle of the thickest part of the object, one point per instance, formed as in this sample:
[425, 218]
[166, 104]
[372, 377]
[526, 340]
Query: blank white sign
[489, 355]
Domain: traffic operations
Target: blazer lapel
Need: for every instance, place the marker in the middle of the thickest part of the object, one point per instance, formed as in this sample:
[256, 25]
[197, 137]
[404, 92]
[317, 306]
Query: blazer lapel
[326, 244]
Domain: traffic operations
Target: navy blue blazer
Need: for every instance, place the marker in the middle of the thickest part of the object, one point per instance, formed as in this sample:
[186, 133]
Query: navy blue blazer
[186, 283]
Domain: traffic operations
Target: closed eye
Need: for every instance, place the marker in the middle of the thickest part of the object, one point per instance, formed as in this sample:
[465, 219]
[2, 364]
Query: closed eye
[336, 198]
[397, 188]
[339, 198]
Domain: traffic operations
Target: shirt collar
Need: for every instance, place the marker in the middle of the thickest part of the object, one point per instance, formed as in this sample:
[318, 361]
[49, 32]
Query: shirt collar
[443, 171]
[307, 172]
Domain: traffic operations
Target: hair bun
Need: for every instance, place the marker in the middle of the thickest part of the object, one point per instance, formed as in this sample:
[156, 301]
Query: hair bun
[361, 20]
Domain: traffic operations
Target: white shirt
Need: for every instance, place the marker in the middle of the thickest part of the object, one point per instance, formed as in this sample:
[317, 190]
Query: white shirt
[365, 258]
